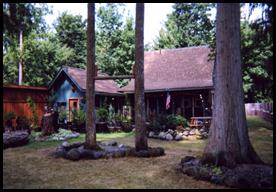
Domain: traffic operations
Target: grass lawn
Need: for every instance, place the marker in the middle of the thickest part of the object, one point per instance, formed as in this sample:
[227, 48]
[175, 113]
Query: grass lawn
[32, 166]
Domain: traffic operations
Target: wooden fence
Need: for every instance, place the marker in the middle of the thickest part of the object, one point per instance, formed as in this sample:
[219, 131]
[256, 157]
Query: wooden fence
[263, 110]
[15, 100]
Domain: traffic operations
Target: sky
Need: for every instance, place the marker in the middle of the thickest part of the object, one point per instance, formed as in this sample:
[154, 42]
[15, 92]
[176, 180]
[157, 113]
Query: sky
[155, 15]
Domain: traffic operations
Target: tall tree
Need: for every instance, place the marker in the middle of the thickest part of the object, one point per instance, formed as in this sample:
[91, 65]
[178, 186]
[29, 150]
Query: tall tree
[19, 20]
[228, 142]
[141, 142]
[90, 137]
[115, 41]
[187, 25]
[71, 32]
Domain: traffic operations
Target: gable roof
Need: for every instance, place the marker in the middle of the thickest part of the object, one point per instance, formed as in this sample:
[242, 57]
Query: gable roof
[78, 77]
[176, 69]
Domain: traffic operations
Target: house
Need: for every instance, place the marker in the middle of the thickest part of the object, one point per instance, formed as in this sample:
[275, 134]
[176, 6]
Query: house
[183, 73]
[69, 86]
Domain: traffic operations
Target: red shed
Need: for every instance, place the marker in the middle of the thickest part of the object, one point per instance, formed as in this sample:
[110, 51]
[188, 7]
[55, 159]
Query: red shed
[15, 100]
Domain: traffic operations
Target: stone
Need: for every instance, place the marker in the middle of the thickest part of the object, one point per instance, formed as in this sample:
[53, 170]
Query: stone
[142, 153]
[187, 159]
[191, 137]
[178, 137]
[192, 132]
[197, 132]
[161, 134]
[73, 154]
[151, 133]
[184, 137]
[15, 139]
[60, 152]
[249, 176]
[109, 143]
[169, 137]
[186, 133]
[65, 144]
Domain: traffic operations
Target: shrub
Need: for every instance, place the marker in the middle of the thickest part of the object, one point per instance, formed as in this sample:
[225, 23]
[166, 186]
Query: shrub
[126, 123]
[22, 123]
[102, 114]
[175, 120]
[78, 117]
[62, 114]
[158, 123]
[9, 116]
[34, 118]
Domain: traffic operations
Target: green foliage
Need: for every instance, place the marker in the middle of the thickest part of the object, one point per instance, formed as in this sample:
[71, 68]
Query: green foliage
[22, 123]
[79, 117]
[51, 99]
[175, 120]
[71, 33]
[102, 114]
[111, 114]
[62, 114]
[216, 170]
[188, 25]
[115, 42]
[9, 116]
[34, 118]
[257, 54]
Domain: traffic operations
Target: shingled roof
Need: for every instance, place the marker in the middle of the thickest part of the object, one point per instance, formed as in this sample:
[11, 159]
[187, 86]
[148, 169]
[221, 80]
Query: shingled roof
[78, 76]
[176, 69]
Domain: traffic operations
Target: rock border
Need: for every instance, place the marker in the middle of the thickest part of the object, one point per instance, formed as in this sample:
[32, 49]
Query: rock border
[252, 176]
[108, 149]
[180, 133]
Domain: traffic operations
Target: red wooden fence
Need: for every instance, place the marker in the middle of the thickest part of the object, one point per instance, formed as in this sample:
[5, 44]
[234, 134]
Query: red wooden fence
[15, 100]
[263, 110]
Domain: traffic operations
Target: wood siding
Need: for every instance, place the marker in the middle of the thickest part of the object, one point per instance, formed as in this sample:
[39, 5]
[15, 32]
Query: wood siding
[15, 100]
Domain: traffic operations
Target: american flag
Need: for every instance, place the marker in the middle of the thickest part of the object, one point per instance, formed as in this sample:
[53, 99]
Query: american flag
[168, 100]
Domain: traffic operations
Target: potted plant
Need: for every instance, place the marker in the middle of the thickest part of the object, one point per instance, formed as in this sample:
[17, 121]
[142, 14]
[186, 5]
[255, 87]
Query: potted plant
[78, 120]
[102, 117]
[9, 116]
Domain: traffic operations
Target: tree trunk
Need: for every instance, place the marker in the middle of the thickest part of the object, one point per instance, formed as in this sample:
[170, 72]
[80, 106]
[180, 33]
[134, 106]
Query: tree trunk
[140, 128]
[20, 58]
[48, 124]
[90, 137]
[228, 142]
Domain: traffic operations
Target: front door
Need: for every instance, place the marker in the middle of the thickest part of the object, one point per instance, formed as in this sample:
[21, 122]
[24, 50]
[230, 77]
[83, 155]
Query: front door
[73, 105]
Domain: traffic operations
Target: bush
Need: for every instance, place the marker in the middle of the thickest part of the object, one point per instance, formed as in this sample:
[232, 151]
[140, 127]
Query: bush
[158, 123]
[9, 116]
[62, 114]
[102, 114]
[175, 120]
[34, 118]
[78, 117]
[22, 123]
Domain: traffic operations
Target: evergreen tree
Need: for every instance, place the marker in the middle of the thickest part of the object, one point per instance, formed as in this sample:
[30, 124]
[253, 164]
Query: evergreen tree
[188, 25]
[71, 32]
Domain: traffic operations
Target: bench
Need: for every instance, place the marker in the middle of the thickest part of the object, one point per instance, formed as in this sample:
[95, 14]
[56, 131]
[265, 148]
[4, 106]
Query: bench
[197, 122]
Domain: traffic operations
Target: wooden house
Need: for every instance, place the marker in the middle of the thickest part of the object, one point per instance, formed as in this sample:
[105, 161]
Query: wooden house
[69, 86]
[183, 73]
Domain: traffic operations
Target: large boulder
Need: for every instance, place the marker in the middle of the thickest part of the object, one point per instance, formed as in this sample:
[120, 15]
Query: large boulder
[15, 139]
